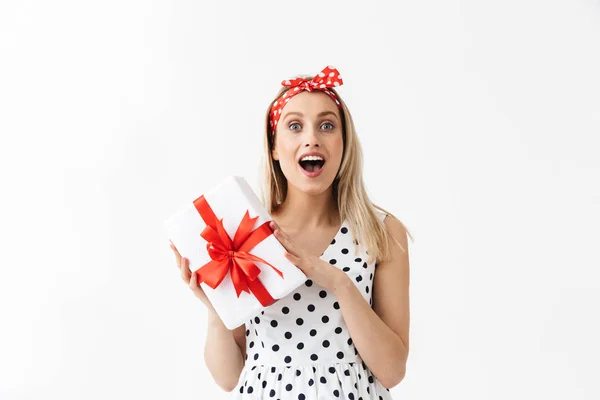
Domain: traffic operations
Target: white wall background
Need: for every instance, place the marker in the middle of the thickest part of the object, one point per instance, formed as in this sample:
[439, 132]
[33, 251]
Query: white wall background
[480, 126]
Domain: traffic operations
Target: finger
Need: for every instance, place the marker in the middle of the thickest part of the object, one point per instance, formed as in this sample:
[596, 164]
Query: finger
[293, 259]
[194, 281]
[284, 239]
[273, 225]
[185, 270]
[177, 255]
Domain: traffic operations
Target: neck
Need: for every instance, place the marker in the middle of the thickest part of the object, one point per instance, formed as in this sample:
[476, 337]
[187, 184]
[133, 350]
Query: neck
[301, 211]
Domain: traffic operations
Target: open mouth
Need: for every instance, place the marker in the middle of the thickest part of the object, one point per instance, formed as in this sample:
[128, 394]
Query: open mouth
[312, 165]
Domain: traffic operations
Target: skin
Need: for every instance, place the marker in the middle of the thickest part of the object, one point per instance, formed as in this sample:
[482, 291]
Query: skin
[380, 333]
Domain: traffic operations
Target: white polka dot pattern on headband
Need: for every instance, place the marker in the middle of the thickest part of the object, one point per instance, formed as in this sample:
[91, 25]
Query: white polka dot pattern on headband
[328, 77]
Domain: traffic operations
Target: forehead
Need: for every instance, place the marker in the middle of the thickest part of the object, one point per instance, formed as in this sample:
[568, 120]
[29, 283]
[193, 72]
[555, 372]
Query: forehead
[311, 103]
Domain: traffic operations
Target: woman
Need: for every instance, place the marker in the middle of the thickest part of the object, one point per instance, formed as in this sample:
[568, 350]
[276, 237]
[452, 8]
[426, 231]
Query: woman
[345, 332]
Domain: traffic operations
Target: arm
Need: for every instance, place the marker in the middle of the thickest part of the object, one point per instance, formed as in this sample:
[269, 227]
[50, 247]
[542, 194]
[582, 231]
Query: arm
[381, 333]
[224, 351]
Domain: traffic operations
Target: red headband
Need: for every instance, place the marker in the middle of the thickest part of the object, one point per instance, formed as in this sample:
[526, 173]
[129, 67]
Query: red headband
[328, 77]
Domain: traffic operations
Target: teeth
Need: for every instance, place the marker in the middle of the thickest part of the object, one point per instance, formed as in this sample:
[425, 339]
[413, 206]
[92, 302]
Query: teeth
[311, 158]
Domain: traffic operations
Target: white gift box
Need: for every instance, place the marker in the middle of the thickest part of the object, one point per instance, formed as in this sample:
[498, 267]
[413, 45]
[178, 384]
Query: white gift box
[230, 200]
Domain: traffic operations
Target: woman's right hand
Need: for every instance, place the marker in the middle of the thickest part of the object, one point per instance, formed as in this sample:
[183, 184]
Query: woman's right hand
[190, 279]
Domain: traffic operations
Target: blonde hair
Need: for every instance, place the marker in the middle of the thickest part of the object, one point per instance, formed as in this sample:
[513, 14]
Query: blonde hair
[348, 187]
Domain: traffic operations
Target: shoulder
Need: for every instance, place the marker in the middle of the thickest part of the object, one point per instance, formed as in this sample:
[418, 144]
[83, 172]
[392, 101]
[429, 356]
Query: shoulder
[396, 231]
[380, 214]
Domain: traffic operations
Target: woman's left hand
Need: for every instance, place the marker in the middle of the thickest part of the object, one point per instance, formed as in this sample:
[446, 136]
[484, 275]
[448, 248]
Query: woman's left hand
[319, 271]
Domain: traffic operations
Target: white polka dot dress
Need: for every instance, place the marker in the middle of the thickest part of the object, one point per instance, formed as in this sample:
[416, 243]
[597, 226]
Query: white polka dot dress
[300, 348]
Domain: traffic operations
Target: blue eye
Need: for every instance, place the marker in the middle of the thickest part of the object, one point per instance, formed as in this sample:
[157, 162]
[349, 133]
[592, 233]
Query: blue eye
[329, 123]
[297, 123]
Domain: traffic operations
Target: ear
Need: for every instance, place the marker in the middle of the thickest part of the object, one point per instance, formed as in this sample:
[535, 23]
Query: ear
[275, 155]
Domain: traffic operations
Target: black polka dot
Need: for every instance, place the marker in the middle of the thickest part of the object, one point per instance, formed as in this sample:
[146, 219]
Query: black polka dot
[277, 324]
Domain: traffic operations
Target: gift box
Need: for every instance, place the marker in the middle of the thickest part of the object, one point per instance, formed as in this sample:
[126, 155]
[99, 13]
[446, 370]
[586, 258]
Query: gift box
[232, 251]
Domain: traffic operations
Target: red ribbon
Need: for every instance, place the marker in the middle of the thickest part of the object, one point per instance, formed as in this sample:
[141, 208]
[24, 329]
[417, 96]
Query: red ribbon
[232, 256]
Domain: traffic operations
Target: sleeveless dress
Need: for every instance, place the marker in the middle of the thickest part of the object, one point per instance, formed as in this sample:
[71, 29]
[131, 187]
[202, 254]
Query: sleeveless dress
[300, 348]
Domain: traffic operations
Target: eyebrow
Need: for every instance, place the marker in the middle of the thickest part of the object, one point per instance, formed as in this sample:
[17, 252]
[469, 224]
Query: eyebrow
[302, 115]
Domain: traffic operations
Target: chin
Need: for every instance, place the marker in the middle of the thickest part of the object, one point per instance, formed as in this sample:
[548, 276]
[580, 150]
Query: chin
[313, 188]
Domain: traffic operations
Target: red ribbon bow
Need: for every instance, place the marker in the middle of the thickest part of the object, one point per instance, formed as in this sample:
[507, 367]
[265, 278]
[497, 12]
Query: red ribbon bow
[327, 78]
[232, 256]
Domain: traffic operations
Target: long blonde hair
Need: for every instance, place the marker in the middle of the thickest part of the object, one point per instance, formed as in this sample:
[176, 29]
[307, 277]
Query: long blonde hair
[348, 187]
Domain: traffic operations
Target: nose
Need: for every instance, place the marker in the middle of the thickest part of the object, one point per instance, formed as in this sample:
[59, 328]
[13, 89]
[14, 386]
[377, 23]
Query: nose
[312, 137]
